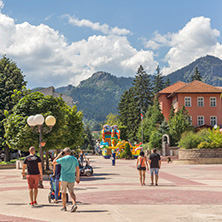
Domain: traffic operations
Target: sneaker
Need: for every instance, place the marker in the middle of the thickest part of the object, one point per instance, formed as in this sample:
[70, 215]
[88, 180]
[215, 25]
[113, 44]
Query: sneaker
[74, 208]
[156, 184]
[31, 204]
[63, 209]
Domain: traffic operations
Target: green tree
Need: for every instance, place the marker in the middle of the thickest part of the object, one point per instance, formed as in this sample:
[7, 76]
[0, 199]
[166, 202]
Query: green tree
[167, 83]
[66, 132]
[88, 139]
[143, 89]
[197, 75]
[11, 82]
[129, 114]
[112, 119]
[152, 120]
[178, 124]
[158, 83]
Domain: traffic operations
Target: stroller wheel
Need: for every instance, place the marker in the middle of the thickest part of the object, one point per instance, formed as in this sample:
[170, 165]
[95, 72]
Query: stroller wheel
[88, 174]
[49, 197]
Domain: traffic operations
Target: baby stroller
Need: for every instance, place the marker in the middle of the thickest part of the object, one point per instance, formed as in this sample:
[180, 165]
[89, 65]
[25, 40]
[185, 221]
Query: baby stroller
[86, 170]
[51, 195]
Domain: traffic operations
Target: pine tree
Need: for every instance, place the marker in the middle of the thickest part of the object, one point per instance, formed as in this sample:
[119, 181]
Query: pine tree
[158, 83]
[129, 113]
[143, 89]
[197, 75]
[167, 83]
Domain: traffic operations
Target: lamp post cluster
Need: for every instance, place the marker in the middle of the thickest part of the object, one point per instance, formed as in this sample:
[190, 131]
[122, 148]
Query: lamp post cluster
[38, 121]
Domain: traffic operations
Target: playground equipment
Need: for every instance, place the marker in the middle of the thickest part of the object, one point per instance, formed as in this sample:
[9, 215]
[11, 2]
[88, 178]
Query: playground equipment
[111, 142]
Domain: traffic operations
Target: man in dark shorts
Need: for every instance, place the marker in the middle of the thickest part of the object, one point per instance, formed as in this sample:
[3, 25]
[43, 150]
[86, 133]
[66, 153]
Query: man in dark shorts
[155, 163]
[34, 168]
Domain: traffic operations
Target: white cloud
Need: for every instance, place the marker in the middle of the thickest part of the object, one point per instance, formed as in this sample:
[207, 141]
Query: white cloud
[105, 29]
[197, 38]
[46, 58]
[48, 17]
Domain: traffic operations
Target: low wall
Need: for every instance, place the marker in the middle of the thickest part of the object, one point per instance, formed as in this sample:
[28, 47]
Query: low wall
[200, 156]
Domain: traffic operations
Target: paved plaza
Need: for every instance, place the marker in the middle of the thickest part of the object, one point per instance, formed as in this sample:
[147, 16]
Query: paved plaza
[185, 193]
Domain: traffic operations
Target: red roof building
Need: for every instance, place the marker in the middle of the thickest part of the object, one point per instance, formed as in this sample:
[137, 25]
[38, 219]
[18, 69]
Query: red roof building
[202, 101]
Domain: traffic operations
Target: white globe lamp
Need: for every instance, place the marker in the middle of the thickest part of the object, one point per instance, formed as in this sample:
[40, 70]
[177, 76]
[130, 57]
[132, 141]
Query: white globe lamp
[50, 121]
[31, 121]
[38, 119]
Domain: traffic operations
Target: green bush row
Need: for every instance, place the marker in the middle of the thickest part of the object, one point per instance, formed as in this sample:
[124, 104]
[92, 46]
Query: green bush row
[205, 138]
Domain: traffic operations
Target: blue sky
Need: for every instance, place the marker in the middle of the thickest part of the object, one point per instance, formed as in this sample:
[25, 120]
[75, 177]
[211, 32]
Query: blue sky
[63, 42]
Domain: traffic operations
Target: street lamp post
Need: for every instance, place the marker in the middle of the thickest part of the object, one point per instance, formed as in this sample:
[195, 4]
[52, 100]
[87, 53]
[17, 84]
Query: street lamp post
[38, 121]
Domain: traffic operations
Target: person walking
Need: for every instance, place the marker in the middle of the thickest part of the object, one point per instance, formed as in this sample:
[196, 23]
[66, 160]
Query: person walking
[82, 157]
[69, 174]
[155, 164]
[34, 169]
[142, 165]
[113, 157]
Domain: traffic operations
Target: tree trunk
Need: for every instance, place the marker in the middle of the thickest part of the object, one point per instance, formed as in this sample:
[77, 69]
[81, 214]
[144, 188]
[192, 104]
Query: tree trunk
[47, 160]
[7, 154]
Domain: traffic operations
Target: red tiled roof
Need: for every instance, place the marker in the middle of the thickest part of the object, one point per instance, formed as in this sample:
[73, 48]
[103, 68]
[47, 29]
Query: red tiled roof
[198, 87]
[172, 88]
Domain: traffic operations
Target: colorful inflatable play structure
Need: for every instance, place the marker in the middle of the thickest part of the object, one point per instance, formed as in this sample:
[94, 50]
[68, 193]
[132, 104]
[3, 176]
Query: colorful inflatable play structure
[111, 141]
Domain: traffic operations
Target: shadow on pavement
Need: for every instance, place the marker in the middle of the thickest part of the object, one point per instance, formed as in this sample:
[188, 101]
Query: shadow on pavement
[93, 178]
[92, 211]
[105, 174]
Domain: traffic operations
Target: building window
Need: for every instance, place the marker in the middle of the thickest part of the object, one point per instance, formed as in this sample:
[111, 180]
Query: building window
[213, 120]
[190, 119]
[200, 101]
[187, 101]
[213, 102]
[200, 120]
[174, 103]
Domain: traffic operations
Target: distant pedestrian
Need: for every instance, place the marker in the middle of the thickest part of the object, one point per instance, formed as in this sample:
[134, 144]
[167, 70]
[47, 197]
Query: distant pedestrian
[81, 157]
[69, 174]
[155, 164]
[113, 157]
[142, 166]
[34, 169]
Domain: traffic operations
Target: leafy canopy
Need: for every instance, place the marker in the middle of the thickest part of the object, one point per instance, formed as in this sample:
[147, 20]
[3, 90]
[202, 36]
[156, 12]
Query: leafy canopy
[66, 132]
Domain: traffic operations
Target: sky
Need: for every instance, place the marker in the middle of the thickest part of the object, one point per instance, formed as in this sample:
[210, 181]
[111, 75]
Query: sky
[61, 42]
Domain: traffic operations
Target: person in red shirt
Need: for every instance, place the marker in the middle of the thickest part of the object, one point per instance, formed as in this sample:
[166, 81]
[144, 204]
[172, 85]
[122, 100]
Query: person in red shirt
[34, 169]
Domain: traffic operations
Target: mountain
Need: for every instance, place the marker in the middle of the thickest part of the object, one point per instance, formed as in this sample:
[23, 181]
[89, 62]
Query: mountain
[99, 95]
[209, 67]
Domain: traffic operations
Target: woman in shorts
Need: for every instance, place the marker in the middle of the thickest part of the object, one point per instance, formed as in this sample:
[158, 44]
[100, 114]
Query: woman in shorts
[142, 165]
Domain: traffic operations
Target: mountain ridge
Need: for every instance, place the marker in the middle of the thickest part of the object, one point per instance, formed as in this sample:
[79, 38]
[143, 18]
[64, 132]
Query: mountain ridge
[99, 95]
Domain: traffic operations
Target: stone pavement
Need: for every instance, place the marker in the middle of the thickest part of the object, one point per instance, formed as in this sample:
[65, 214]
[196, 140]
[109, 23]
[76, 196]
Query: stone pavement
[185, 193]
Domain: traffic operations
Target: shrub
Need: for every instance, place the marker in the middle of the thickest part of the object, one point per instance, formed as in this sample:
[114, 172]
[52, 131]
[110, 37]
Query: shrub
[126, 153]
[204, 145]
[155, 140]
[214, 144]
[191, 139]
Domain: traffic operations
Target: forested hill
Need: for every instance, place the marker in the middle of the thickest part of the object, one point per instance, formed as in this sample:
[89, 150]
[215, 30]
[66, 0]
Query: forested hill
[99, 95]
[209, 67]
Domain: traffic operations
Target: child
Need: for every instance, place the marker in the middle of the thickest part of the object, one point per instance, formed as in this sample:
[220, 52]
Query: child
[56, 173]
